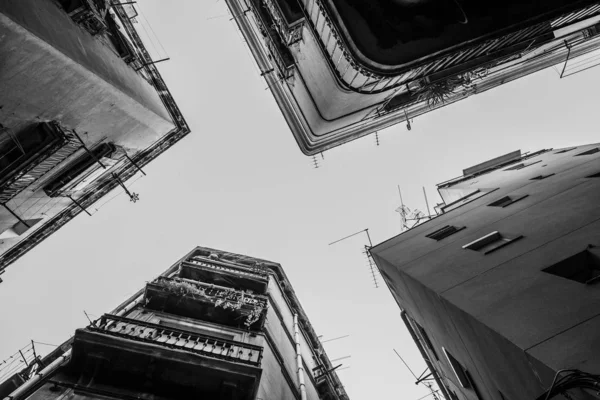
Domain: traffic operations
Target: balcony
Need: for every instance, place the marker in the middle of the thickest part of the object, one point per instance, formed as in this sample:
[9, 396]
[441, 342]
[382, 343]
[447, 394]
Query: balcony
[31, 154]
[211, 303]
[279, 53]
[359, 75]
[223, 274]
[326, 386]
[288, 19]
[82, 171]
[167, 362]
[87, 13]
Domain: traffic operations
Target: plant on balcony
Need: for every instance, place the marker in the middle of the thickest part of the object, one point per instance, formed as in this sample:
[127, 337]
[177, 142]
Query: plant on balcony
[435, 93]
[226, 299]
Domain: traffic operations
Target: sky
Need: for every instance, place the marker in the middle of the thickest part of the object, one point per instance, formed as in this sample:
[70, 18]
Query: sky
[239, 183]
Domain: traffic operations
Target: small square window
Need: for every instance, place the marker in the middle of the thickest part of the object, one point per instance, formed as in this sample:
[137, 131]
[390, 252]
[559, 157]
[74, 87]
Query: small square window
[444, 232]
[540, 177]
[491, 242]
[596, 175]
[589, 152]
[565, 150]
[458, 370]
[427, 341]
[507, 200]
[583, 267]
[521, 166]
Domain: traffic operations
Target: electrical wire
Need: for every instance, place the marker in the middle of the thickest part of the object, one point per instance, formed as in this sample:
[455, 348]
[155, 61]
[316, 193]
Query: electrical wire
[573, 379]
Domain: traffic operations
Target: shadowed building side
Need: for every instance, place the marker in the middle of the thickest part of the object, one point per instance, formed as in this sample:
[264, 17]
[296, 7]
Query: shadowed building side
[500, 289]
[215, 325]
[342, 69]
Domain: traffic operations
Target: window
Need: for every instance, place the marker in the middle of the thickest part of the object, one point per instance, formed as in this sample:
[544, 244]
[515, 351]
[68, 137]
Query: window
[589, 152]
[583, 267]
[444, 232]
[565, 150]
[79, 170]
[458, 370]
[521, 166]
[540, 177]
[22, 149]
[427, 341]
[596, 175]
[466, 199]
[491, 242]
[19, 228]
[507, 200]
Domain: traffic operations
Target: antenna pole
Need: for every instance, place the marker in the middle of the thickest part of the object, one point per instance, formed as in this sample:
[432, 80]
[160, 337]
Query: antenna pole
[404, 362]
[369, 236]
[330, 340]
[349, 236]
[426, 202]
[402, 215]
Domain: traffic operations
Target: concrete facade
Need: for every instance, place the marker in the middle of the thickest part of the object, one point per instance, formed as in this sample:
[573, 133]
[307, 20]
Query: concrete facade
[97, 87]
[215, 325]
[492, 282]
[330, 93]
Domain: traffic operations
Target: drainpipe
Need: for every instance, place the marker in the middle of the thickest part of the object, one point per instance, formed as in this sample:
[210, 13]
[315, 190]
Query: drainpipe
[300, 367]
[434, 372]
[60, 361]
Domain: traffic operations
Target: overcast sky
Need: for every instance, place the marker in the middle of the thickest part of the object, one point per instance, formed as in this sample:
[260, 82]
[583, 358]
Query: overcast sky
[239, 183]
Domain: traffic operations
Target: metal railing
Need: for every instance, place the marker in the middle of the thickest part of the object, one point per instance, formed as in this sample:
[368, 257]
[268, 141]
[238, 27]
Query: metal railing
[173, 338]
[278, 51]
[213, 292]
[360, 79]
[289, 34]
[249, 272]
[42, 165]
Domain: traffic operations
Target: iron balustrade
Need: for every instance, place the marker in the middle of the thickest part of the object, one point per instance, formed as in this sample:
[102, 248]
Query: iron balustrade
[45, 162]
[289, 34]
[214, 292]
[250, 272]
[279, 52]
[205, 345]
[360, 79]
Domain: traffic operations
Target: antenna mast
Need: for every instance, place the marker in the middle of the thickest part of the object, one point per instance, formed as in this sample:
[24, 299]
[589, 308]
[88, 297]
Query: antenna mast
[366, 251]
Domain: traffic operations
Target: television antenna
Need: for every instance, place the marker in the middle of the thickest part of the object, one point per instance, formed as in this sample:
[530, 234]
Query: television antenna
[415, 216]
[425, 378]
[371, 264]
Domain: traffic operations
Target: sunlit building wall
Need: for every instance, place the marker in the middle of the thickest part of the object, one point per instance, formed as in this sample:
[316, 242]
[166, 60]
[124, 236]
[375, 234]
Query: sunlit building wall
[215, 325]
[501, 289]
[82, 109]
[341, 69]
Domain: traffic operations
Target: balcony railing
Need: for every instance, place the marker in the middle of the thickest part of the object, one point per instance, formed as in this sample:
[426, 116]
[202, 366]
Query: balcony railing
[360, 79]
[197, 269]
[198, 300]
[250, 272]
[280, 54]
[89, 14]
[42, 164]
[289, 34]
[204, 345]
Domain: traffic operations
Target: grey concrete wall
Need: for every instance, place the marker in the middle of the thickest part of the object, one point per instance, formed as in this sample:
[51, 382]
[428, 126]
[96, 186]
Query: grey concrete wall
[509, 323]
[53, 69]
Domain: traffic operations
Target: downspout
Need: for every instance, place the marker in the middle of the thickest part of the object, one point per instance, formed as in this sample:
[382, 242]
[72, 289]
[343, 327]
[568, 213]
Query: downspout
[299, 365]
[40, 375]
[434, 372]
